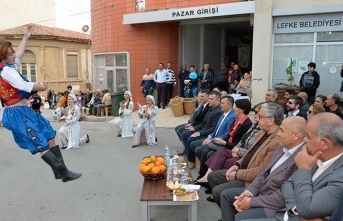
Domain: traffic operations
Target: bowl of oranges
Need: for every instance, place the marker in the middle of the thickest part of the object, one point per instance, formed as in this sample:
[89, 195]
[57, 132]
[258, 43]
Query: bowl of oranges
[152, 167]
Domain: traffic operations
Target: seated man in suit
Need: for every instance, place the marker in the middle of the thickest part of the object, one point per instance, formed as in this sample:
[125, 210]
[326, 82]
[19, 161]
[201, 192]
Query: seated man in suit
[231, 136]
[199, 114]
[221, 130]
[204, 129]
[315, 188]
[304, 108]
[293, 106]
[263, 197]
[256, 158]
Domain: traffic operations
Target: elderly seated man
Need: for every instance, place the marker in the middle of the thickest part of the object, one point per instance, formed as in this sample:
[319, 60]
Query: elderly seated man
[315, 189]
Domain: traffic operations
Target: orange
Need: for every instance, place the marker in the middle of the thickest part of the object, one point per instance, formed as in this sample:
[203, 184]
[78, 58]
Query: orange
[146, 169]
[141, 168]
[151, 165]
[160, 159]
[145, 161]
[155, 170]
[163, 168]
[153, 158]
[158, 163]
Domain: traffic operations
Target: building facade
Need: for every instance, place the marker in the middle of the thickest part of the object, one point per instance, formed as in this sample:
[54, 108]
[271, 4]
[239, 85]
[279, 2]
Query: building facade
[262, 36]
[54, 56]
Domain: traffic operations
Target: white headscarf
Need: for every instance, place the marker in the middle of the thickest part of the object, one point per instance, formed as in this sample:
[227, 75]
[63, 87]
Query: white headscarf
[151, 98]
[73, 97]
[129, 94]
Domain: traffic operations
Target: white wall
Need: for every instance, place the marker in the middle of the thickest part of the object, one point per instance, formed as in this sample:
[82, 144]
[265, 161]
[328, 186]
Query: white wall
[19, 12]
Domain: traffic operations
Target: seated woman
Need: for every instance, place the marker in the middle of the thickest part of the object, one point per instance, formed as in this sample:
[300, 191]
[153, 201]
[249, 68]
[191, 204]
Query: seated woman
[148, 114]
[224, 159]
[239, 127]
[69, 133]
[244, 86]
[125, 122]
[36, 103]
[314, 109]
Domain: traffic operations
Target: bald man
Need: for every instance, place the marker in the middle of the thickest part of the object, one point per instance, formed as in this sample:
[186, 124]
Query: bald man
[147, 83]
[315, 188]
[304, 108]
[263, 197]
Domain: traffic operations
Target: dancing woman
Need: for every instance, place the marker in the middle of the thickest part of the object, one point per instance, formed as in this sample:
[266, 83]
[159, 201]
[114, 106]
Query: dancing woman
[148, 113]
[69, 133]
[125, 122]
[31, 131]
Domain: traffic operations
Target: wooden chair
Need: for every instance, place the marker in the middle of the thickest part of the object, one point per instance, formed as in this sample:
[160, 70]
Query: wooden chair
[84, 111]
[107, 111]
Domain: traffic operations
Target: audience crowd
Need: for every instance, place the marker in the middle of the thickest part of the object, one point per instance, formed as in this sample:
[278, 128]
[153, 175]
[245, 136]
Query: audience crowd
[286, 165]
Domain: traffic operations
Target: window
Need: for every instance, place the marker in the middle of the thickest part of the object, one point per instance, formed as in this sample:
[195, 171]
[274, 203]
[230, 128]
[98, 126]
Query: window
[72, 66]
[28, 66]
[140, 5]
[323, 48]
[112, 72]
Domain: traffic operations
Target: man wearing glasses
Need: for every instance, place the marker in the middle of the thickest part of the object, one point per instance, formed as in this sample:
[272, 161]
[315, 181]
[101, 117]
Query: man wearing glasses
[293, 105]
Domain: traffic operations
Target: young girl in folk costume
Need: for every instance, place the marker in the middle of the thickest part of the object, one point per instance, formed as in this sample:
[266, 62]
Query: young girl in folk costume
[148, 114]
[125, 122]
[30, 130]
[70, 132]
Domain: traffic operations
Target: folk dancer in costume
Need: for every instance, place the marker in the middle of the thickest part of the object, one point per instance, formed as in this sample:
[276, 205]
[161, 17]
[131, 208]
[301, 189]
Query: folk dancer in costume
[148, 113]
[69, 133]
[125, 123]
[30, 130]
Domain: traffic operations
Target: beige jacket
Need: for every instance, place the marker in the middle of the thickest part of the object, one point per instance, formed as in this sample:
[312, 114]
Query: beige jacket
[107, 99]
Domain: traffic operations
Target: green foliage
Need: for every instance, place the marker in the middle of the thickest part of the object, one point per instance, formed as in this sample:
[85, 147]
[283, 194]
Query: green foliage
[289, 72]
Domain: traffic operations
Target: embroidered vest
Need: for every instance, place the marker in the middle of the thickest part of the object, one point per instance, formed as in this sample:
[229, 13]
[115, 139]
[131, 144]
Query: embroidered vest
[10, 95]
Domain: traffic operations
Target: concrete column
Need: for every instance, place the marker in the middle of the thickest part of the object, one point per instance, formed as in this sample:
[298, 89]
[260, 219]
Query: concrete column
[202, 47]
[222, 45]
[262, 49]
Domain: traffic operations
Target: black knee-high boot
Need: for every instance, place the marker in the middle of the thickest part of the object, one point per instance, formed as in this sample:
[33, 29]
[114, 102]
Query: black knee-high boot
[59, 167]
[57, 152]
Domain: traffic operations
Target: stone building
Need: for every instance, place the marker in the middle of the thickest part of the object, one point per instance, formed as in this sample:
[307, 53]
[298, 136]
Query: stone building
[54, 56]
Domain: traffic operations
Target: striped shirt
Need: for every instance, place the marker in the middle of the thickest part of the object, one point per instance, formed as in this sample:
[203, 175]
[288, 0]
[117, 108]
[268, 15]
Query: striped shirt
[171, 77]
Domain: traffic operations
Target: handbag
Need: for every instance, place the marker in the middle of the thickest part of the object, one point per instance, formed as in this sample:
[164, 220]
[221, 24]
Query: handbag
[214, 147]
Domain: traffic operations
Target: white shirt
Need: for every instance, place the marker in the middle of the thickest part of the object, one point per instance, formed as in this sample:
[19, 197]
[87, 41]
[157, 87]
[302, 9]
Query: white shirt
[221, 122]
[322, 166]
[160, 76]
[285, 156]
[292, 114]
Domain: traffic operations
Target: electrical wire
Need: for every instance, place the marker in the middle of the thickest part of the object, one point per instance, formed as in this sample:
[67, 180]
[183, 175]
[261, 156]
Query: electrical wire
[64, 8]
[72, 15]
[74, 4]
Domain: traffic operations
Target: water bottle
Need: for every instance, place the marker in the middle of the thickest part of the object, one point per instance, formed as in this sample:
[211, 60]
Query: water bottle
[184, 177]
[169, 173]
[167, 156]
[175, 171]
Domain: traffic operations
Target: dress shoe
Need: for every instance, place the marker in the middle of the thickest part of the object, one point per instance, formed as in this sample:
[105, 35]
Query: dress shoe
[208, 191]
[133, 146]
[204, 184]
[87, 140]
[182, 153]
[118, 135]
[163, 107]
[210, 199]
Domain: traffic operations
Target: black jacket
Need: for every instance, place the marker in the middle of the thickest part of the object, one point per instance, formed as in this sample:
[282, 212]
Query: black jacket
[316, 83]
[238, 134]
